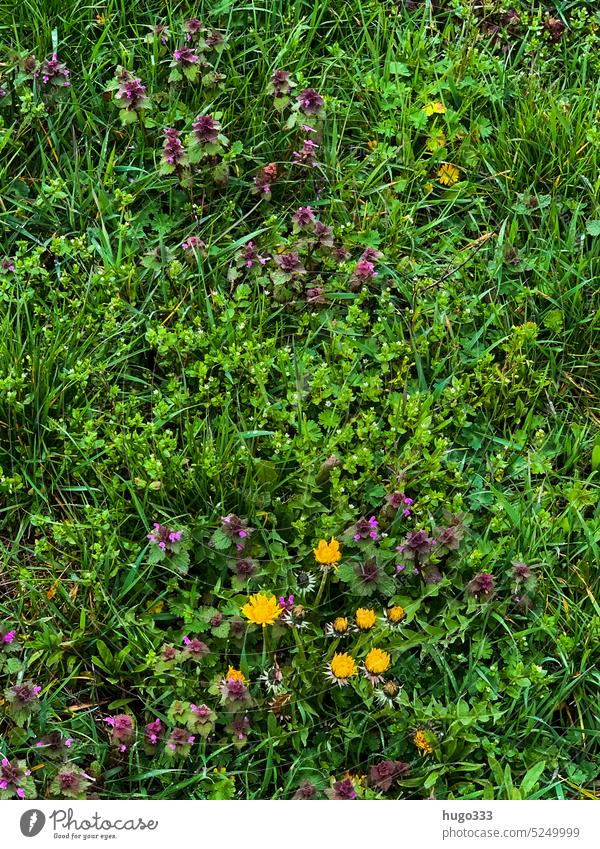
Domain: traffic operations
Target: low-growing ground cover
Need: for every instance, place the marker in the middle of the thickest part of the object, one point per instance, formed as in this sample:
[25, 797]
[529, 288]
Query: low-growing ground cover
[299, 400]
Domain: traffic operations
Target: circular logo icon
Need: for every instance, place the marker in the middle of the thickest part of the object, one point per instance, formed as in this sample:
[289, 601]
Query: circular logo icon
[32, 822]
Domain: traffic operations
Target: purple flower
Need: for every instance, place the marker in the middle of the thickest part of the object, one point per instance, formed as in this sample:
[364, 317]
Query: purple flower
[304, 218]
[521, 571]
[166, 538]
[310, 101]
[234, 527]
[185, 57]
[383, 774]
[23, 696]
[194, 648]
[131, 92]
[264, 179]
[193, 27]
[54, 745]
[340, 254]
[235, 691]
[250, 255]
[364, 271]
[305, 791]
[240, 727]
[316, 295]
[366, 528]
[154, 732]
[122, 731]
[323, 235]
[71, 782]
[417, 544]
[290, 264]
[482, 585]
[173, 150]
[193, 243]
[286, 605]
[214, 39]
[179, 741]
[55, 72]
[280, 84]
[344, 789]
[306, 156]
[12, 777]
[206, 129]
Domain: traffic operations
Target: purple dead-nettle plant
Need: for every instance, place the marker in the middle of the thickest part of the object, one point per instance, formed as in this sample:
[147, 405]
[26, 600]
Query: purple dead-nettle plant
[153, 733]
[289, 264]
[232, 530]
[363, 274]
[15, 780]
[201, 719]
[179, 742]
[304, 219]
[482, 586]
[193, 28]
[54, 746]
[121, 730]
[185, 63]
[167, 544]
[264, 180]
[322, 237]
[71, 782]
[23, 700]
[280, 87]
[55, 73]
[130, 95]
[174, 156]
[307, 154]
[194, 649]
[206, 138]
[310, 102]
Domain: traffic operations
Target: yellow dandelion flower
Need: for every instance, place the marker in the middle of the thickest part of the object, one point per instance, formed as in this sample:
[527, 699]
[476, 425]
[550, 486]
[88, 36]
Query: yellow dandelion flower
[395, 614]
[340, 624]
[328, 553]
[365, 618]
[262, 609]
[235, 675]
[422, 743]
[448, 174]
[434, 108]
[372, 144]
[341, 668]
[377, 661]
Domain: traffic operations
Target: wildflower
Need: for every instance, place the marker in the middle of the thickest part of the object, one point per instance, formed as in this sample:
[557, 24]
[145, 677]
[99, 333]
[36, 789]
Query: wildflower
[194, 648]
[272, 678]
[235, 528]
[234, 692]
[55, 745]
[305, 791]
[286, 604]
[366, 529]
[193, 243]
[376, 663]
[23, 700]
[344, 789]
[395, 615]
[385, 773]
[7, 638]
[303, 218]
[7, 265]
[316, 295]
[364, 271]
[422, 743]
[399, 501]
[262, 609]
[185, 56]
[13, 779]
[449, 538]
[165, 537]
[193, 27]
[310, 102]
[372, 144]
[305, 582]
[290, 264]
[279, 707]
[367, 578]
[55, 73]
[436, 108]
[235, 675]
[341, 668]
[206, 129]
[239, 727]
[340, 254]
[174, 156]
[521, 571]
[417, 545]
[328, 553]
[71, 782]
[201, 719]
[306, 156]
[295, 617]
[482, 585]
[250, 255]
[214, 39]
[340, 627]
[122, 731]
[365, 618]
[153, 734]
[448, 174]
[387, 694]
[264, 179]
[179, 742]
[323, 235]
[168, 653]
[280, 84]
[131, 92]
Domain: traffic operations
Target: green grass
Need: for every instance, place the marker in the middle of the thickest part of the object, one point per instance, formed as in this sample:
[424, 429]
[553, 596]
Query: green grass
[143, 383]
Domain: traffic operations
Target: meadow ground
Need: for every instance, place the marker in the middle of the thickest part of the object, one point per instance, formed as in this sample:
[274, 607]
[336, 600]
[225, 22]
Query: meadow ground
[299, 399]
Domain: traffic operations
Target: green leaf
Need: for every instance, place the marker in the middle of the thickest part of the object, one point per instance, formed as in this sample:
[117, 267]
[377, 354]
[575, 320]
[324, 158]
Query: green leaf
[593, 227]
[531, 777]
